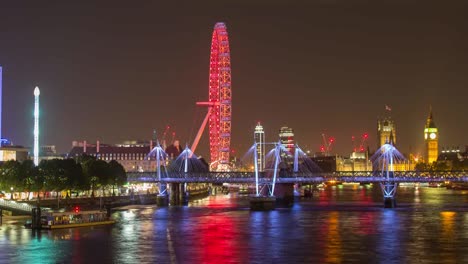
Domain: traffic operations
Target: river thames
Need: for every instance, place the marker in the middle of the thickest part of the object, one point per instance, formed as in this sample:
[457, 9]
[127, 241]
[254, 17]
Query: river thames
[339, 224]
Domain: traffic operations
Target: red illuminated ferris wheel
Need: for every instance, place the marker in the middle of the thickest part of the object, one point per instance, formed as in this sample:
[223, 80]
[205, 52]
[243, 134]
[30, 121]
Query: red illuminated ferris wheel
[219, 104]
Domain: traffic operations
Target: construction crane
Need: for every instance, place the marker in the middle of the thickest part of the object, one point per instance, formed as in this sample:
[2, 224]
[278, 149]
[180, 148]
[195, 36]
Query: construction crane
[361, 147]
[167, 130]
[327, 144]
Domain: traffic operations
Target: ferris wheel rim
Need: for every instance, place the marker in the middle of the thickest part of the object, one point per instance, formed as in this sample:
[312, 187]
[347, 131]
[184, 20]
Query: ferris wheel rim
[220, 95]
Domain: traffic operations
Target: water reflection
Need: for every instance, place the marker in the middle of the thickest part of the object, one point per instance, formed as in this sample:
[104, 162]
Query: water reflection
[333, 239]
[217, 240]
[448, 219]
[367, 224]
[337, 225]
[390, 249]
[416, 195]
[447, 235]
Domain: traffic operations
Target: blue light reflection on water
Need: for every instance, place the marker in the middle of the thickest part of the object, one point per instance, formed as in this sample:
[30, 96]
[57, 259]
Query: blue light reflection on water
[346, 224]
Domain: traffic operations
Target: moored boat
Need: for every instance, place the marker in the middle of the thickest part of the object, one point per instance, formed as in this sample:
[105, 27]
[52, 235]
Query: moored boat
[77, 218]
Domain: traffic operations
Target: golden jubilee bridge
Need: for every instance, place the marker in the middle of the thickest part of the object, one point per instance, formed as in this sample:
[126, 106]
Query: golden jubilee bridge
[284, 168]
[304, 178]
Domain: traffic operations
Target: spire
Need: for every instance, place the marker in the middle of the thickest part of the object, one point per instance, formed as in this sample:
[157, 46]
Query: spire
[430, 119]
[391, 138]
[155, 138]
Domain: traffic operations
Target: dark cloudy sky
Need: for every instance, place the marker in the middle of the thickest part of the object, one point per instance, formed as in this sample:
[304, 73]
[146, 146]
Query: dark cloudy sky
[116, 70]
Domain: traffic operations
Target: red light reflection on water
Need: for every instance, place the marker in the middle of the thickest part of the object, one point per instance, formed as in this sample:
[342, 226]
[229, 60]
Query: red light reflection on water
[218, 242]
[365, 196]
[219, 239]
[367, 224]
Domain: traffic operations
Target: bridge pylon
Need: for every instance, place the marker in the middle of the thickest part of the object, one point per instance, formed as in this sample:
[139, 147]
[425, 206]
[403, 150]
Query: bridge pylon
[384, 160]
[260, 202]
[160, 156]
[389, 189]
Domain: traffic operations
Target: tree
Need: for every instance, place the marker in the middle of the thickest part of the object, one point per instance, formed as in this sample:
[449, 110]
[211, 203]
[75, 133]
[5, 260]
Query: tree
[38, 182]
[58, 175]
[96, 172]
[53, 172]
[102, 172]
[87, 164]
[72, 174]
[46, 176]
[421, 166]
[117, 174]
[81, 182]
[47, 171]
[440, 166]
[27, 176]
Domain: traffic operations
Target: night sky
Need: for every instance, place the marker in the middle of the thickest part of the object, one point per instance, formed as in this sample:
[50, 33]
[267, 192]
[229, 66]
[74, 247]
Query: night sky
[112, 72]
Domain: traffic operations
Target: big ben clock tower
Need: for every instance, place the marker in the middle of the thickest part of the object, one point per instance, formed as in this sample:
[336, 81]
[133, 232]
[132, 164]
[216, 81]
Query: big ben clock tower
[431, 137]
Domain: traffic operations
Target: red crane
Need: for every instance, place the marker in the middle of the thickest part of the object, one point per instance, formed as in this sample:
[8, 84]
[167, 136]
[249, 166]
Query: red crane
[327, 144]
[361, 147]
[167, 130]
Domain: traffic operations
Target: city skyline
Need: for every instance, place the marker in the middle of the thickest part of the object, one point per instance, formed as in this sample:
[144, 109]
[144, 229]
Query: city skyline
[234, 131]
[115, 89]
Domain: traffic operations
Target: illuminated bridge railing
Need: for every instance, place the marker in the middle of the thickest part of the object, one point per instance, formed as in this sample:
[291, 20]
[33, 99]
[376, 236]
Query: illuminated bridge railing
[13, 205]
[284, 177]
[402, 173]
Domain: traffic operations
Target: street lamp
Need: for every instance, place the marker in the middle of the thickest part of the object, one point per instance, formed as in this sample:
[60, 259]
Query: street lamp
[11, 197]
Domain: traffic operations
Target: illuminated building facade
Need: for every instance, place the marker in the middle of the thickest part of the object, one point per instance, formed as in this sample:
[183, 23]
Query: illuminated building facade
[453, 158]
[431, 138]
[17, 153]
[354, 163]
[259, 137]
[386, 131]
[351, 164]
[49, 152]
[338, 163]
[286, 136]
[132, 155]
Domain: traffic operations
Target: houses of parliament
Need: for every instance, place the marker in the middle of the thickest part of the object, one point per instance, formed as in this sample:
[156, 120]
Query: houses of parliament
[386, 133]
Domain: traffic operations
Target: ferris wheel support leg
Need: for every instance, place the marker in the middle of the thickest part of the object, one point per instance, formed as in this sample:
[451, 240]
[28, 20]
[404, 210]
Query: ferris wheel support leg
[200, 132]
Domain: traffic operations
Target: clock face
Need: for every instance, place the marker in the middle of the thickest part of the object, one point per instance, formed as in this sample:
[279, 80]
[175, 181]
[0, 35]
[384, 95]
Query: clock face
[425, 135]
[432, 135]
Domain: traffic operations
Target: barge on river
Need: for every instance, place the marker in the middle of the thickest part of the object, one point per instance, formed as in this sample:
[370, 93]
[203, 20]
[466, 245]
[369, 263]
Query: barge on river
[57, 220]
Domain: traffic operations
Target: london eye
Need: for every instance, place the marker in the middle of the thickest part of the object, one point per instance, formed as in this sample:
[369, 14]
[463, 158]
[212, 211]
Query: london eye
[219, 101]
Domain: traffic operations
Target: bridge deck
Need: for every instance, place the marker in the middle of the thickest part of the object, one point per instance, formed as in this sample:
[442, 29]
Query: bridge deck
[249, 177]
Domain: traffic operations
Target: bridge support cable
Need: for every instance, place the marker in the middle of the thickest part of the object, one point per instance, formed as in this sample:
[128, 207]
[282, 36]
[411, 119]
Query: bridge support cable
[296, 159]
[275, 171]
[389, 185]
[160, 156]
[256, 169]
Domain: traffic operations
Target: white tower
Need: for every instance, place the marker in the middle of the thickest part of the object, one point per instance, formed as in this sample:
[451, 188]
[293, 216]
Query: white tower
[259, 137]
[36, 125]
